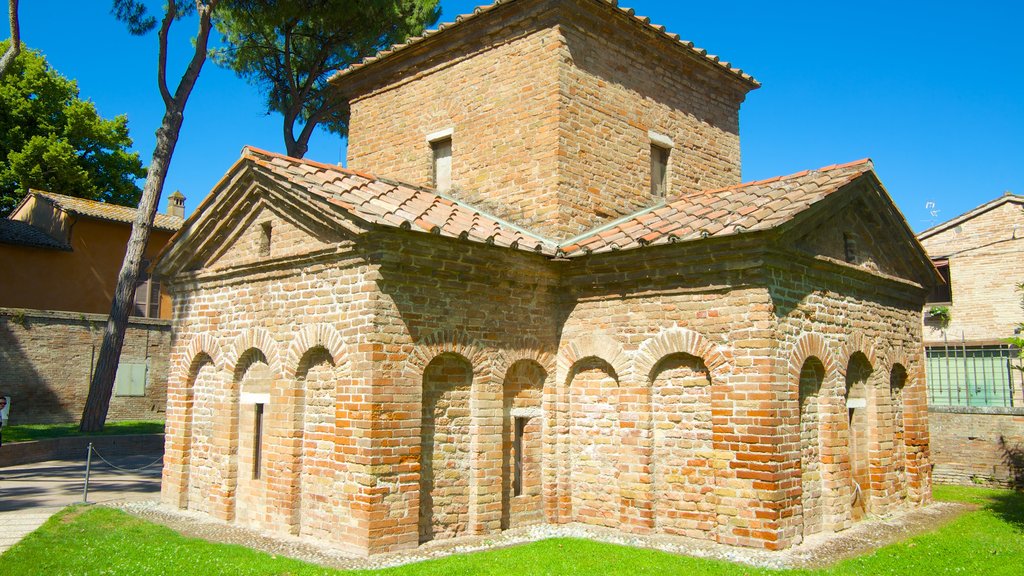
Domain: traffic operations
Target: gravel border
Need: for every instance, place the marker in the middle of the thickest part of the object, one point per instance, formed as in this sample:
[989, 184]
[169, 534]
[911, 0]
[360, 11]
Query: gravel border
[817, 551]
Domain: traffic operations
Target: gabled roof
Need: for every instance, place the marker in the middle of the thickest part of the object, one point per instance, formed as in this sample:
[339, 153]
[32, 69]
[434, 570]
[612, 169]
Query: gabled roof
[24, 234]
[1005, 198]
[105, 211]
[389, 203]
[613, 7]
[764, 205]
[749, 207]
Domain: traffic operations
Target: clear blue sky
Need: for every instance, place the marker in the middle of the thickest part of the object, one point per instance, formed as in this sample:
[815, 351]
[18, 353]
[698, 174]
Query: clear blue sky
[931, 91]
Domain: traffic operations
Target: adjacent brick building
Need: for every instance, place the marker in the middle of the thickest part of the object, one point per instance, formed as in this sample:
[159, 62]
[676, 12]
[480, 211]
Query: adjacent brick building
[975, 385]
[565, 307]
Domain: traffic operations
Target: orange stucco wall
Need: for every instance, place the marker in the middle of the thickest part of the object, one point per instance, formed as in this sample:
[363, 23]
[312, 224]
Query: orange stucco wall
[82, 280]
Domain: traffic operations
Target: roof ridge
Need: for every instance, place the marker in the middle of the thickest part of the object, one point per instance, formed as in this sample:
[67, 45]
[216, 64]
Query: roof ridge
[976, 211]
[484, 9]
[253, 153]
[802, 173]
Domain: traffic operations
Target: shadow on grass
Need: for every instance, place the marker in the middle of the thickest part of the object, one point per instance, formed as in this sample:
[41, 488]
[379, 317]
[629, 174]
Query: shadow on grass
[1010, 507]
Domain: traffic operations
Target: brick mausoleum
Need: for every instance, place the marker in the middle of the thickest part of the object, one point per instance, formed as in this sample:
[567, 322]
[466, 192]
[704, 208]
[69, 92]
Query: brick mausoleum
[560, 305]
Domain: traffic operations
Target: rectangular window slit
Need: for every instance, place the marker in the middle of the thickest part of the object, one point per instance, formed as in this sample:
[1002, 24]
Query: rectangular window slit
[257, 442]
[442, 160]
[659, 170]
[265, 230]
[517, 450]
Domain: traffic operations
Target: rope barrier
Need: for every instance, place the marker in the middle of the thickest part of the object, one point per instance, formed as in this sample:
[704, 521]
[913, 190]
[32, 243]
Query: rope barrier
[100, 456]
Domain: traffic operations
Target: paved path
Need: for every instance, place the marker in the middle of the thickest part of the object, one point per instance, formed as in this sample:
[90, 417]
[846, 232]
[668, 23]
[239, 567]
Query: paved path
[31, 493]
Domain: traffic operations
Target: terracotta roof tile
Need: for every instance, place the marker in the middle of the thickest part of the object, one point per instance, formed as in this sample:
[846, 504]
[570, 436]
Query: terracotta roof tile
[24, 234]
[105, 211]
[393, 204]
[747, 207]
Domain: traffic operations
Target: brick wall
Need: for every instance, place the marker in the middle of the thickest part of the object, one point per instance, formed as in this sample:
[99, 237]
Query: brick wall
[985, 254]
[977, 445]
[670, 390]
[550, 109]
[46, 362]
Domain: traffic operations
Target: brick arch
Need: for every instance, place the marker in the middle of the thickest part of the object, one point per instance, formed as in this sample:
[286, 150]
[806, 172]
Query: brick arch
[855, 343]
[449, 342]
[523, 348]
[200, 344]
[677, 340]
[596, 345]
[897, 355]
[812, 345]
[260, 339]
[323, 335]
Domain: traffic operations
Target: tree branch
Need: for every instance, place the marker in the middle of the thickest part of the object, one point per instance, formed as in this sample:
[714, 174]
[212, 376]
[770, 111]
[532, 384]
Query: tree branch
[188, 79]
[161, 71]
[15, 48]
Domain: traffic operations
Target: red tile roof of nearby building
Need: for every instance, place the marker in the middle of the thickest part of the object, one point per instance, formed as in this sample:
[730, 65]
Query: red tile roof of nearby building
[398, 205]
[480, 10]
[21, 233]
[749, 207]
[105, 211]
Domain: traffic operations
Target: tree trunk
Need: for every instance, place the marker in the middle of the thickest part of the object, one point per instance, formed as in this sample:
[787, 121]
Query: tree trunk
[98, 402]
[15, 48]
[96, 405]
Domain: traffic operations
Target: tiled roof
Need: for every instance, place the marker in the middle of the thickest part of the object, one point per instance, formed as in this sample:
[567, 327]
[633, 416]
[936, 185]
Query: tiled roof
[747, 207]
[107, 211]
[24, 234]
[398, 205]
[747, 78]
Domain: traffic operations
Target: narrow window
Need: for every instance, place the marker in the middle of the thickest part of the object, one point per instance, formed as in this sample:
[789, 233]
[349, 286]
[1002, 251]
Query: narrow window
[942, 293]
[659, 170]
[442, 155]
[147, 293]
[257, 442]
[850, 247]
[517, 449]
[265, 230]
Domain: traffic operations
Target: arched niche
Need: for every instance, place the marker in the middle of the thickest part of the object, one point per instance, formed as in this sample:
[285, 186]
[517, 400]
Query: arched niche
[445, 447]
[594, 442]
[812, 505]
[683, 476]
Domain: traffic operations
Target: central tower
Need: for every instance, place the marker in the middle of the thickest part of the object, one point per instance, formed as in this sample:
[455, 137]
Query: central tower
[556, 115]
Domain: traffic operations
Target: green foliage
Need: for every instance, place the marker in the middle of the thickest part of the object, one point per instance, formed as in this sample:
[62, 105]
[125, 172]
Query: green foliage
[290, 49]
[940, 313]
[52, 140]
[100, 540]
[1018, 339]
[26, 432]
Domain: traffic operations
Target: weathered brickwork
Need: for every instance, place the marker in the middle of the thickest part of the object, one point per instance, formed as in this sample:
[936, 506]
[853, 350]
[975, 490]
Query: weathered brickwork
[550, 109]
[984, 254]
[47, 357]
[379, 376]
[973, 446]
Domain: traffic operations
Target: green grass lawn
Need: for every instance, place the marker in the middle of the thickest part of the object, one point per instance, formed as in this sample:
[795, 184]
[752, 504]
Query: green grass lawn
[79, 540]
[26, 432]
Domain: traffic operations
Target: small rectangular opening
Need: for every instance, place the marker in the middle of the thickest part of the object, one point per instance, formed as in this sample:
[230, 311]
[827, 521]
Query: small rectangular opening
[442, 162]
[659, 170]
[517, 450]
[941, 293]
[850, 247]
[265, 231]
[257, 442]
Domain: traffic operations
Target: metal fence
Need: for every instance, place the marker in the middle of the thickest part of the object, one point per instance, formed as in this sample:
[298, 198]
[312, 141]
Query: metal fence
[960, 375]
